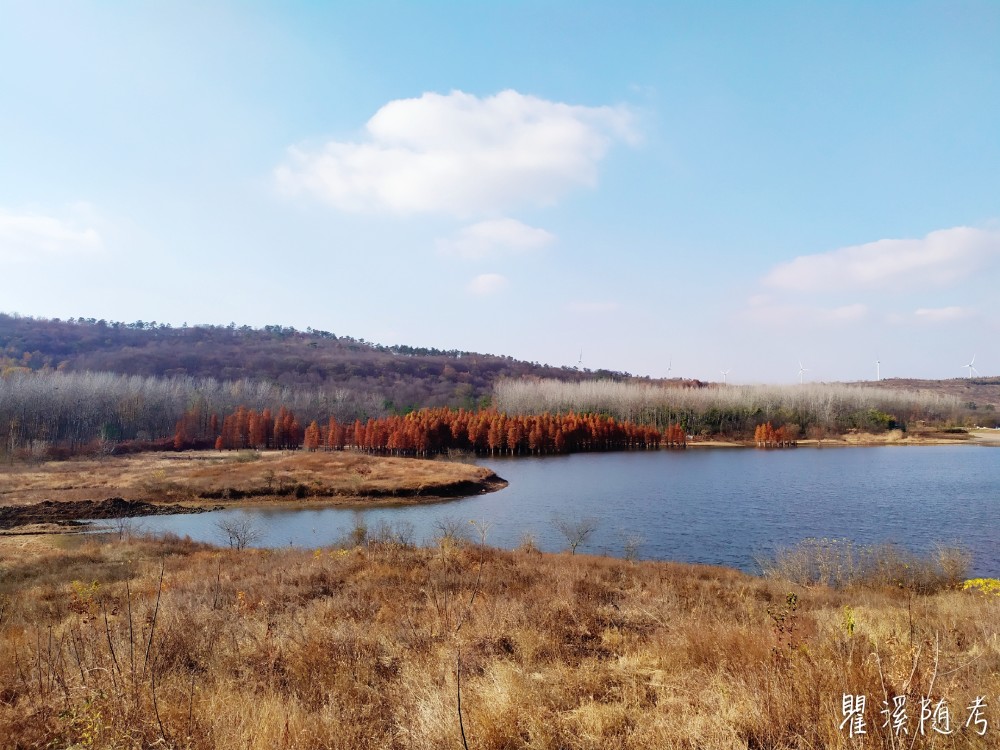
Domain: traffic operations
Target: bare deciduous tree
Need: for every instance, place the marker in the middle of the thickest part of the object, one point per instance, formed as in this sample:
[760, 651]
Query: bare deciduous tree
[239, 531]
[127, 528]
[98, 410]
[737, 408]
[575, 530]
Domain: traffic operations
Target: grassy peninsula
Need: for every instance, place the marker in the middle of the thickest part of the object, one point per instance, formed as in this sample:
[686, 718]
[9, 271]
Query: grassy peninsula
[197, 480]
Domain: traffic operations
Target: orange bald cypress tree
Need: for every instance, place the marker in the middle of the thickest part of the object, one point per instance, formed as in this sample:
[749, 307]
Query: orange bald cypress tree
[311, 437]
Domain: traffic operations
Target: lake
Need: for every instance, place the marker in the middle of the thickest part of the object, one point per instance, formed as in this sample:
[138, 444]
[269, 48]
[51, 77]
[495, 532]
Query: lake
[716, 506]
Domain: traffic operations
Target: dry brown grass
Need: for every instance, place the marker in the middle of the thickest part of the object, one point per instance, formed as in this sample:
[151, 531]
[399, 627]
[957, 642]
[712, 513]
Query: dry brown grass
[990, 437]
[362, 648]
[213, 476]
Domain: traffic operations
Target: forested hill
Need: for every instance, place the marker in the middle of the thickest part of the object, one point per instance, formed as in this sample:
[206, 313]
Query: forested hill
[403, 376]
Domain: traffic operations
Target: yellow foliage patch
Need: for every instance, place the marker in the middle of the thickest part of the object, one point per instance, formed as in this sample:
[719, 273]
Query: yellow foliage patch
[986, 585]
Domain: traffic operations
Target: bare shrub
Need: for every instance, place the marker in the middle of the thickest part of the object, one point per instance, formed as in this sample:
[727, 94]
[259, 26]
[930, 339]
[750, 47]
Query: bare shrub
[127, 528]
[358, 534]
[953, 564]
[840, 563]
[528, 544]
[631, 545]
[482, 530]
[239, 531]
[451, 532]
[400, 533]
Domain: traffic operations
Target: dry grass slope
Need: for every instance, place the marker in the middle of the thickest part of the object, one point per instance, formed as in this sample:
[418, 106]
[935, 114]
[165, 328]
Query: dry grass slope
[170, 644]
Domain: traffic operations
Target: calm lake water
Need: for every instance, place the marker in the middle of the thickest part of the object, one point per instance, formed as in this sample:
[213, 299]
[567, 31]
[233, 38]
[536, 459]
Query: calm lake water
[717, 506]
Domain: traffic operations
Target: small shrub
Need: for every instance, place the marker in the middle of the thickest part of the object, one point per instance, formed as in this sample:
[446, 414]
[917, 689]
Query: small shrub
[528, 544]
[840, 563]
[358, 535]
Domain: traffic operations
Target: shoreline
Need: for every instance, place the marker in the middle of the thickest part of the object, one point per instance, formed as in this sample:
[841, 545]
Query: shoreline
[53, 495]
[22, 517]
[980, 437]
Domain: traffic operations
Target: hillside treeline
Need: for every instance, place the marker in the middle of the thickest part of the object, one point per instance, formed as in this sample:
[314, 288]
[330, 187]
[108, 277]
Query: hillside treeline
[51, 412]
[734, 411]
[403, 377]
[60, 414]
[425, 432]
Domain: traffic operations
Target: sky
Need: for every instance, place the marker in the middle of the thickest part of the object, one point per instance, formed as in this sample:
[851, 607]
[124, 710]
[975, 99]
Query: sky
[780, 190]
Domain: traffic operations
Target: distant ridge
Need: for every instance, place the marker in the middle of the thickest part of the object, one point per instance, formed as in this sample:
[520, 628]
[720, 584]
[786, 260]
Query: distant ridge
[404, 376]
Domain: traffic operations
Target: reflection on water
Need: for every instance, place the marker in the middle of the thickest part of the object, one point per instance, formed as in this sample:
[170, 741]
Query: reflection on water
[712, 506]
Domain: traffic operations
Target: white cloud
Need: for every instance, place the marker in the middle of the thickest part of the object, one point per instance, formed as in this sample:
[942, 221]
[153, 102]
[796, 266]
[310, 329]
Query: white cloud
[460, 155]
[26, 237]
[844, 313]
[940, 258]
[763, 309]
[487, 283]
[941, 314]
[495, 237]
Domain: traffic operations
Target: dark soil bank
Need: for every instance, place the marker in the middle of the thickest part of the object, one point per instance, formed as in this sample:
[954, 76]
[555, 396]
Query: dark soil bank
[71, 512]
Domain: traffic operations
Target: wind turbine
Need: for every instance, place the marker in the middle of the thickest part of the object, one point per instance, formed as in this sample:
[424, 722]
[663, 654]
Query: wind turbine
[802, 370]
[670, 366]
[878, 373]
[971, 368]
[579, 363]
[725, 373]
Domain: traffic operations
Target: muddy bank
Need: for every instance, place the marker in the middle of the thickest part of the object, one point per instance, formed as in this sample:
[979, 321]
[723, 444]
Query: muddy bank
[70, 513]
[73, 512]
[301, 491]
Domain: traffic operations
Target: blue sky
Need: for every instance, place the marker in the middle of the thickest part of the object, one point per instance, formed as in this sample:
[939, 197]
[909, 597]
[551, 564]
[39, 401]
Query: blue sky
[692, 186]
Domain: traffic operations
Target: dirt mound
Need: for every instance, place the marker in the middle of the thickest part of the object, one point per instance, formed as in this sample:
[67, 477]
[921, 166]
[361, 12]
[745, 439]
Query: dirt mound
[72, 512]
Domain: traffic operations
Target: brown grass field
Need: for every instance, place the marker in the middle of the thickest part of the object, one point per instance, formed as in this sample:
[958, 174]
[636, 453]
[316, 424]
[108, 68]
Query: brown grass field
[194, 477]
[146, 644]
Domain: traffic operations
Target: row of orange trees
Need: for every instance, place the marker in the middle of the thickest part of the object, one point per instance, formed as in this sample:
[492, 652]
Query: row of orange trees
[769, 436]
[425, 432]
[244, 428]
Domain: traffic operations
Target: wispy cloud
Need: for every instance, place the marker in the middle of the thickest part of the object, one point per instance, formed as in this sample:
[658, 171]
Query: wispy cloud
[460, 155]
[941, 314]
[487, 283]
[26, 237]
[764, 309]
[940, 258]
[494, 237]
